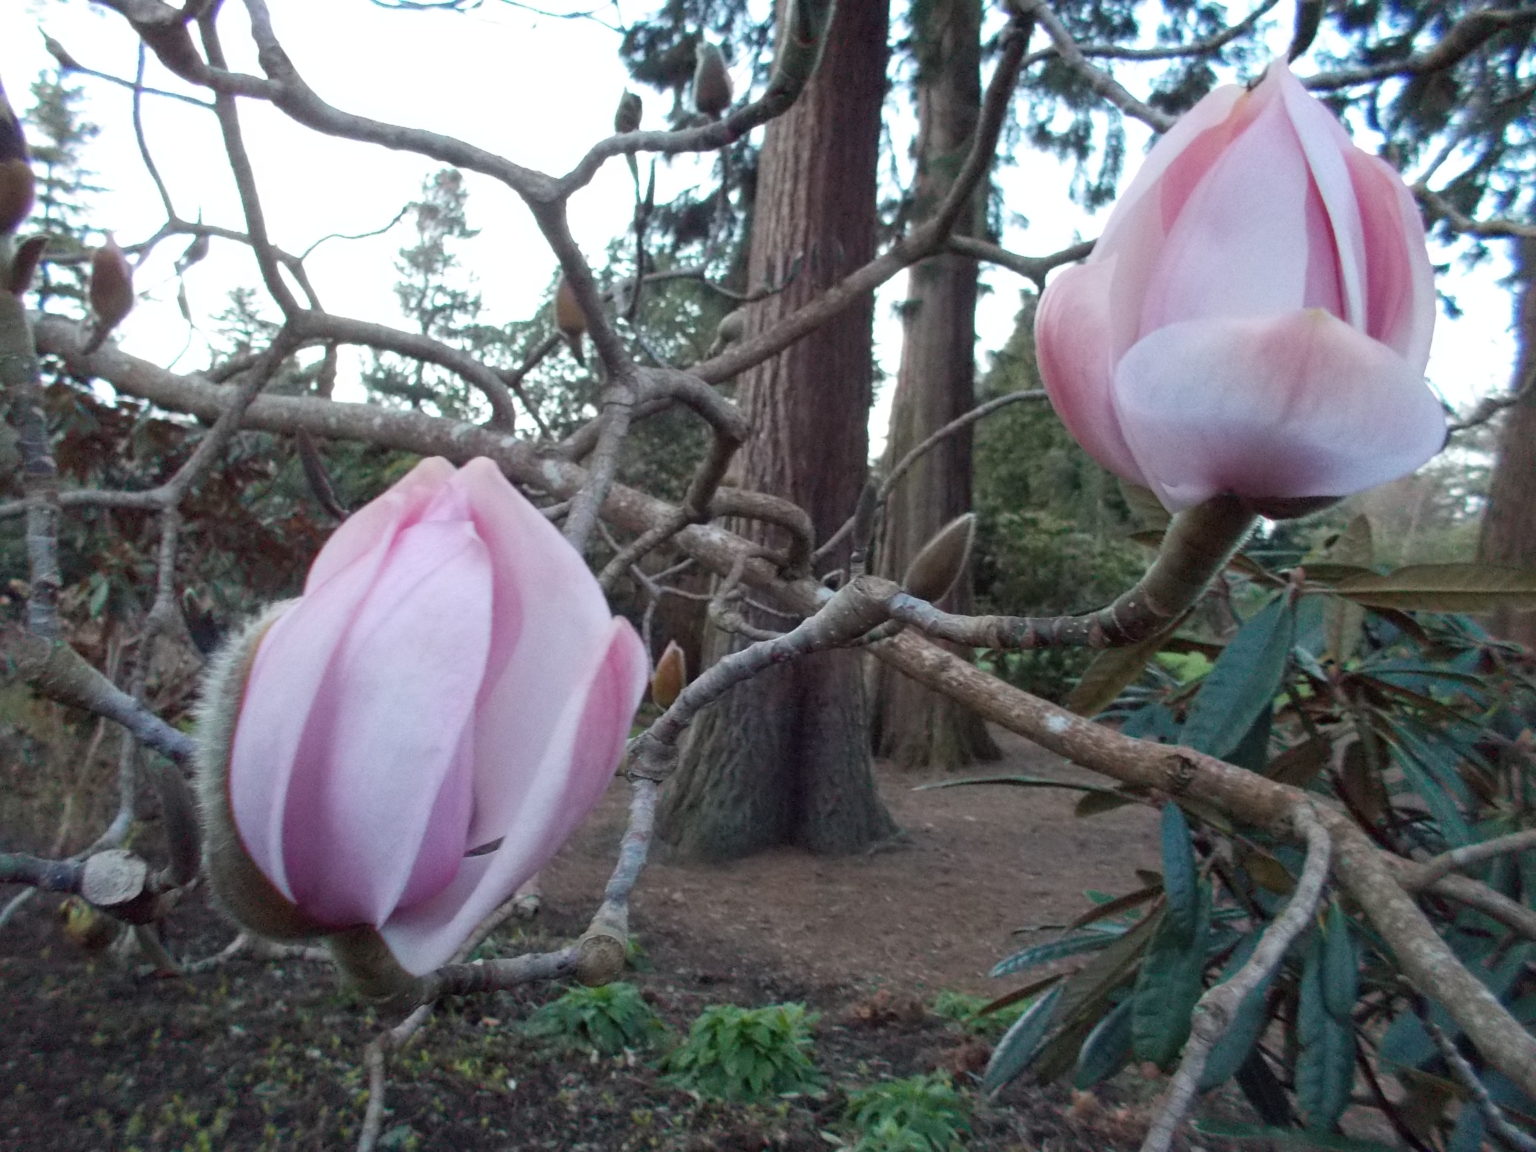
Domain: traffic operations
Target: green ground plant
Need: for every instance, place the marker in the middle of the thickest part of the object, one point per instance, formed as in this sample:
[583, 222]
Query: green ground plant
[747, 1054]
[608, 1020]
[924, 1113]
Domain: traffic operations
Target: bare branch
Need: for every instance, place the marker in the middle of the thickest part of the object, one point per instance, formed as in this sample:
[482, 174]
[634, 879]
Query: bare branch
[1218, 1007]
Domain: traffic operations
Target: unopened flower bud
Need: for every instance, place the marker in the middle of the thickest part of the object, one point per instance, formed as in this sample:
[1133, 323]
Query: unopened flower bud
[111, 291]
[671, 675]
[711, 82]
[387, 759]
[17, 186]
[732, 327]
[569, 318]
[627, 118]
[29, 253]
[935, 569]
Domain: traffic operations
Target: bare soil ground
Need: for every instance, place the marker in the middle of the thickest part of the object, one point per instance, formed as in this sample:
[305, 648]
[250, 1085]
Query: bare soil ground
[95, 1054]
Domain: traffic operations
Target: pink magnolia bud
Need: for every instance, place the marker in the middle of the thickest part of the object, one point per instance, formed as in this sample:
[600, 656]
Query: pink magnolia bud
[1255, 318]
[421, 730]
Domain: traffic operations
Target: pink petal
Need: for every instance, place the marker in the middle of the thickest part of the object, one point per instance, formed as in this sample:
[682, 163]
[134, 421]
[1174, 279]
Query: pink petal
[377, 798]
[1400, 284]
[1327, 148]
[1295, 405]
[380, 518]
[1243, 243]
[1188, 135]
[549, 619]
[563, 785]
[1073, 344]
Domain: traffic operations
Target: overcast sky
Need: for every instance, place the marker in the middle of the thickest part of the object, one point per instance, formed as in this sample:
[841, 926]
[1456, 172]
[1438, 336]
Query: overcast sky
[538, 90]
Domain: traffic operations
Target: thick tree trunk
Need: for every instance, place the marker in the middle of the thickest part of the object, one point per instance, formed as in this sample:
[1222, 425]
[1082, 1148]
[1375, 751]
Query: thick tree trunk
[1509, 523]
[784, 758]
[937, 382]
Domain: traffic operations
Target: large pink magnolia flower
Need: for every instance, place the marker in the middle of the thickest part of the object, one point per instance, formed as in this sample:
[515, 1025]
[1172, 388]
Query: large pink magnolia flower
[1256, 317]
[424, 727]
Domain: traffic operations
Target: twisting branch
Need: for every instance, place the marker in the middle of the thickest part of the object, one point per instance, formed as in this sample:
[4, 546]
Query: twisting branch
[849, 614]
[1437, 207]
[1030, 267]
[1219, 1006]
[1458, 859]
[1095, 77]
[1505, 1132]
[1198, 544]
[1462, 39]
[904, 465]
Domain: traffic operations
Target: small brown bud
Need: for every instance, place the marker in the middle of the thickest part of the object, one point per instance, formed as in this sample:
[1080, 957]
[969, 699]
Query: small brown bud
[569, 318]
[935, 569]
[732, 327]
[17, 190]
[111, 291]
[711, 82]
[29, 253]
[627, 118]
[670, 676]
[17, 186]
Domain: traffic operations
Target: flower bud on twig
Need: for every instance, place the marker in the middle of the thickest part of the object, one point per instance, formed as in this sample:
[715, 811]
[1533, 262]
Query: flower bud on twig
[17, 185]
[935, 569]
[569, 318]
[670, 677]
[386, 759]
[1255, 318]
[711, 82]
[111, 291]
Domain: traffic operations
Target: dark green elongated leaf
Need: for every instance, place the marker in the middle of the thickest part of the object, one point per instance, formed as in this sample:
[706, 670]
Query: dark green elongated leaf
[1341, 966]
[1098, 979]
[1330, 572]
[1009, 999]
[1180, 879]
[1452, 824]
[1114, 670]
[1444, 588]
[1252, 751]
[1286, 1137]
[1107, 1048]
[1115, 907]
[1243, 681]
[1344, 622]
[1013, 1052]
[1325, 1063]
[1228, 1053]
[1262, 1089]
[1168, 985]
[1017, 781]
[1059, 949]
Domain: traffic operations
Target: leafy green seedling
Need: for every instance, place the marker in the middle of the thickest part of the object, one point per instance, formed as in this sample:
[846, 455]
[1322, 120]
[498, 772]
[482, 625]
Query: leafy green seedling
[607, 1020]
[747, 1054]
[966, 1011]
[917, 1114]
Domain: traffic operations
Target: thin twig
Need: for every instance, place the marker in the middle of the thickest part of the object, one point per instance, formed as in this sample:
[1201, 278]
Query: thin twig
[1218, 1007]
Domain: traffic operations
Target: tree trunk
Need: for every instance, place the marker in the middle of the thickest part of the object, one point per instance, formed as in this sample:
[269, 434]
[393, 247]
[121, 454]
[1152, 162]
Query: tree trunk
[937, 382]
[784, 758]
[1509, 523]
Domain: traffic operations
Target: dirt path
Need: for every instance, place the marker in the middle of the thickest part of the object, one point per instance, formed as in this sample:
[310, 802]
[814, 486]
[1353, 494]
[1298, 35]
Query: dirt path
[934, 909]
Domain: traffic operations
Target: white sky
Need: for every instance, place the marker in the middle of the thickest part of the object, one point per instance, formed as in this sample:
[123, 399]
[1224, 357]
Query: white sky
[538, 90]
